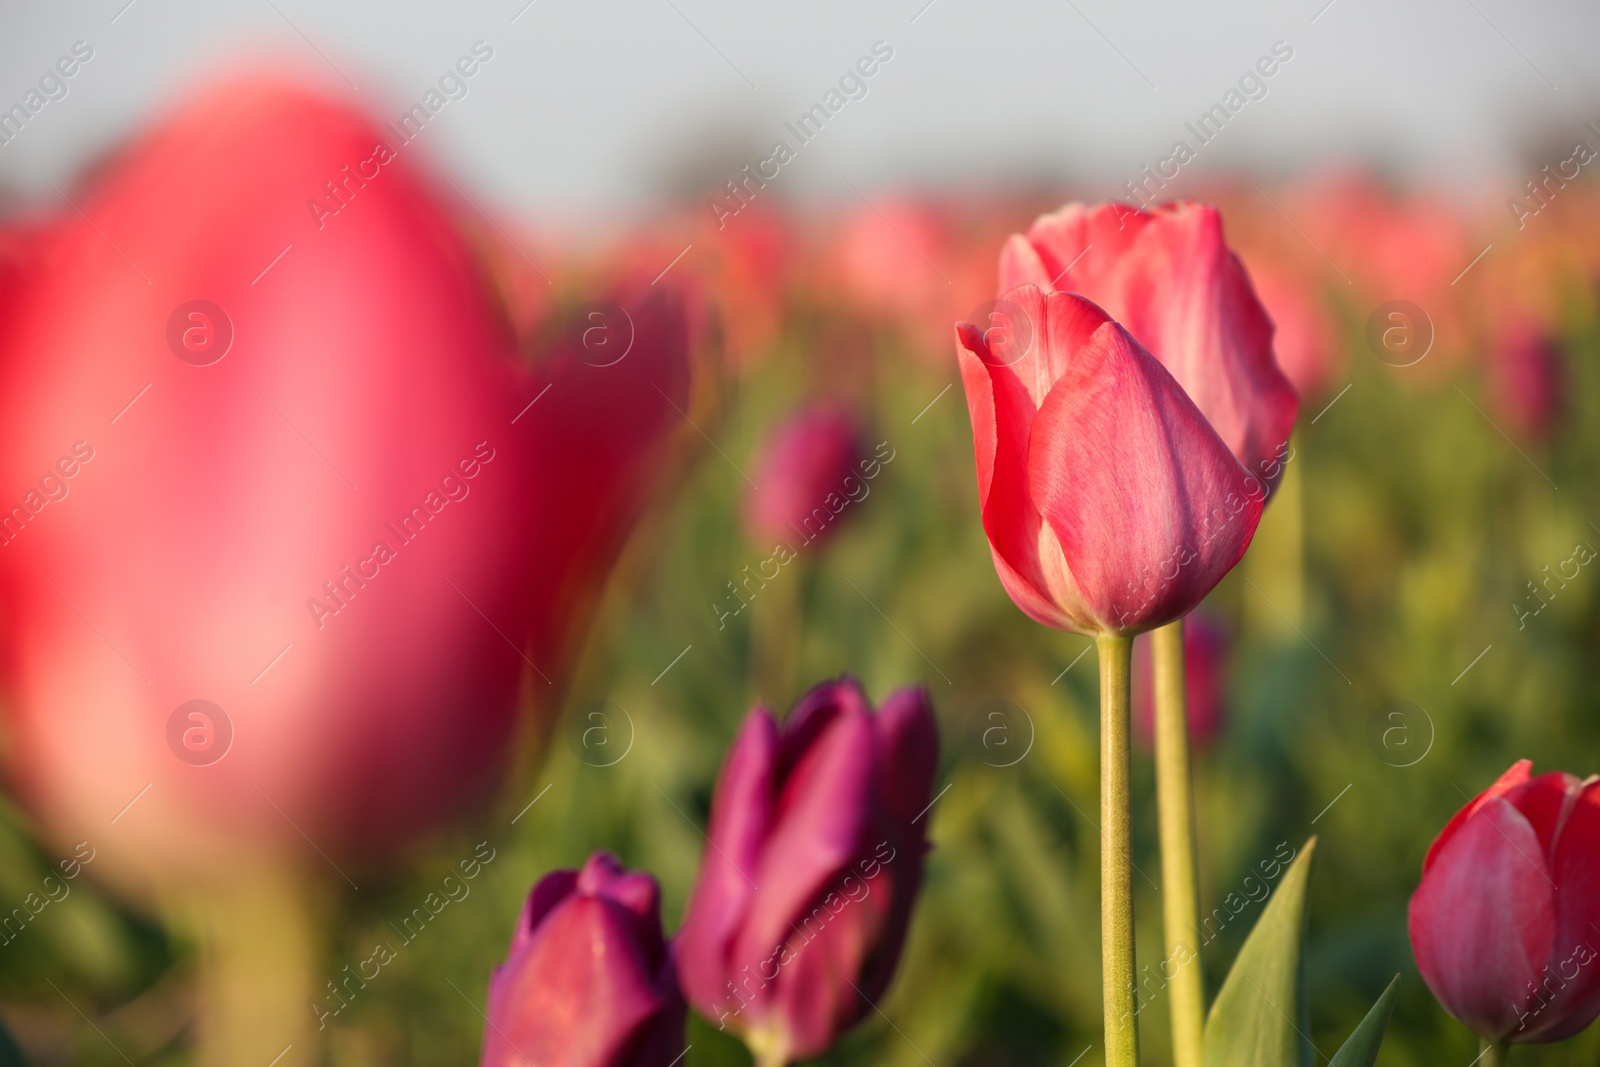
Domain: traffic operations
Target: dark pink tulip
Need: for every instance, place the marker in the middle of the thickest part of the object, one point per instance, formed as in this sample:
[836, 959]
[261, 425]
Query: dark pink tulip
[1205, 656]
[1506, 922]
[1525, 379]
[186, 519]
[1110, 503]
[1171, 280]
[805, 475]
[817, 840]
[588, 981]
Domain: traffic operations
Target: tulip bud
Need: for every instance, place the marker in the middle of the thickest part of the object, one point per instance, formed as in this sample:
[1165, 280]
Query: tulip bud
[588, 981]
[266, 446]
[1172, 281]
[805, 476]
[1110, 503]
[816, 839]
[1205, 647]
[1506, 922]
[1525, 379]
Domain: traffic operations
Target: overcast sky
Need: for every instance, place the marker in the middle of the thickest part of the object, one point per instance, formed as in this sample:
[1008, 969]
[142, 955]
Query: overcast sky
[595, 106]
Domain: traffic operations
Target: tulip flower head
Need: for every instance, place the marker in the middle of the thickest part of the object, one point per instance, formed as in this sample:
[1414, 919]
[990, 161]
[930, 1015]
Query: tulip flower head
[1506, 922]
[1110, 503]
[804, 475]
[589, 980]
[1170, 279]
[297, 476]
[804, 895]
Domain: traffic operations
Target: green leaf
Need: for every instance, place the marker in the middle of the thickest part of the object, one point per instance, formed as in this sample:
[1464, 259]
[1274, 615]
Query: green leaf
[1361, 1050]
[1255, 1019]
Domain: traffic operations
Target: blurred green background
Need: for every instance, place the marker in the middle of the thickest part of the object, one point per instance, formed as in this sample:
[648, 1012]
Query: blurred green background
[1389, 565]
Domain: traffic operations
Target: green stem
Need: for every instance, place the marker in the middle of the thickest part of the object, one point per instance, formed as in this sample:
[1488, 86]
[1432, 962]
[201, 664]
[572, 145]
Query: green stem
[1116, 854]
[1180, 893]
[1495, 1054]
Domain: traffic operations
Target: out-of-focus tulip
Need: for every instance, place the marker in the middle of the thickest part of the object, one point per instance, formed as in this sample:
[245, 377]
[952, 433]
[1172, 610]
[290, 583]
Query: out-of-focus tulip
[1205, 648]
[589, 980]
[805, 893]
[1524, 372]
[1110, 503]
[1170, 279]
[805, 475]
[1503, 924]
[1304, 337]
[264, 444]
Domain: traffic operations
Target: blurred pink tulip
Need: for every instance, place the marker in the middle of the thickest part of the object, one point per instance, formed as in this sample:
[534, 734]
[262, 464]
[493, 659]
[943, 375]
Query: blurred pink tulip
[805, 469]
[1503, 924]
[1205, 650]
[588, 980]
[264, 444]
[1110, 503]
[1169, 278]
[1525, 379]
[805, 893]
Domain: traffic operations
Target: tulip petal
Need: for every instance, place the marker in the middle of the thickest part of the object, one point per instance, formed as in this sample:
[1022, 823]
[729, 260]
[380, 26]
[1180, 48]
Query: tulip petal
[1515, 776]
[591, 1014]
[1169, 278]
[1149, 506]
[1570, 992]
[908, 738]
[817, 831]
[1483, 920]
[1002, 404]
[741, 817]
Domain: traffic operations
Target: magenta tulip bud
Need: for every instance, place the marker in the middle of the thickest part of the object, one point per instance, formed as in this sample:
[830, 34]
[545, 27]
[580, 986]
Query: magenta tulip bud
[1525, 379]
[589, 980]
[1506, 922]
[809, 470]
[1205, 653]
[816, 844]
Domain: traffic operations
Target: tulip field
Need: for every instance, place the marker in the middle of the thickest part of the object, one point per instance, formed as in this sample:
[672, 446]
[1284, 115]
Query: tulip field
[1002, 626]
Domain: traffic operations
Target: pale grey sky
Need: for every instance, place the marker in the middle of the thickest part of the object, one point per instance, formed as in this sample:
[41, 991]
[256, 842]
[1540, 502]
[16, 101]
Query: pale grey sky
[591, 107]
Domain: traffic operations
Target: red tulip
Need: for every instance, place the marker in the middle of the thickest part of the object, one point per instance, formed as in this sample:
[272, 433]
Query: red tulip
[1525, 379]
[319, 501]
[1507, 919]
[1110, 503]
[1205, 647]
[805, 475]
[1172, 282]
[805, 894]
[588, 981]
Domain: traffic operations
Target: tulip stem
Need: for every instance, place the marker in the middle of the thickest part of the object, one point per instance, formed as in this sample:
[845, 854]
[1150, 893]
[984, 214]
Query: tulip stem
[1180, 893]
[1494, 1054]
[1116, 854]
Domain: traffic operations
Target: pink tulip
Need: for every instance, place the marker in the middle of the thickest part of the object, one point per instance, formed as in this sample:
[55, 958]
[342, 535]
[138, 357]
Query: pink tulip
[1172, 282]
[1525, 379]
[1110, 503]
[588, 981]
[1205, 650]
[1507, 919]
[804, 895]
[806, 473]
[319, 501]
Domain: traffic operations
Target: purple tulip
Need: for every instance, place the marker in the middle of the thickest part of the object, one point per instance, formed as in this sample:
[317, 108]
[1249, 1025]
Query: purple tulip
[589, 979]
[807, 475]
[816, 845]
